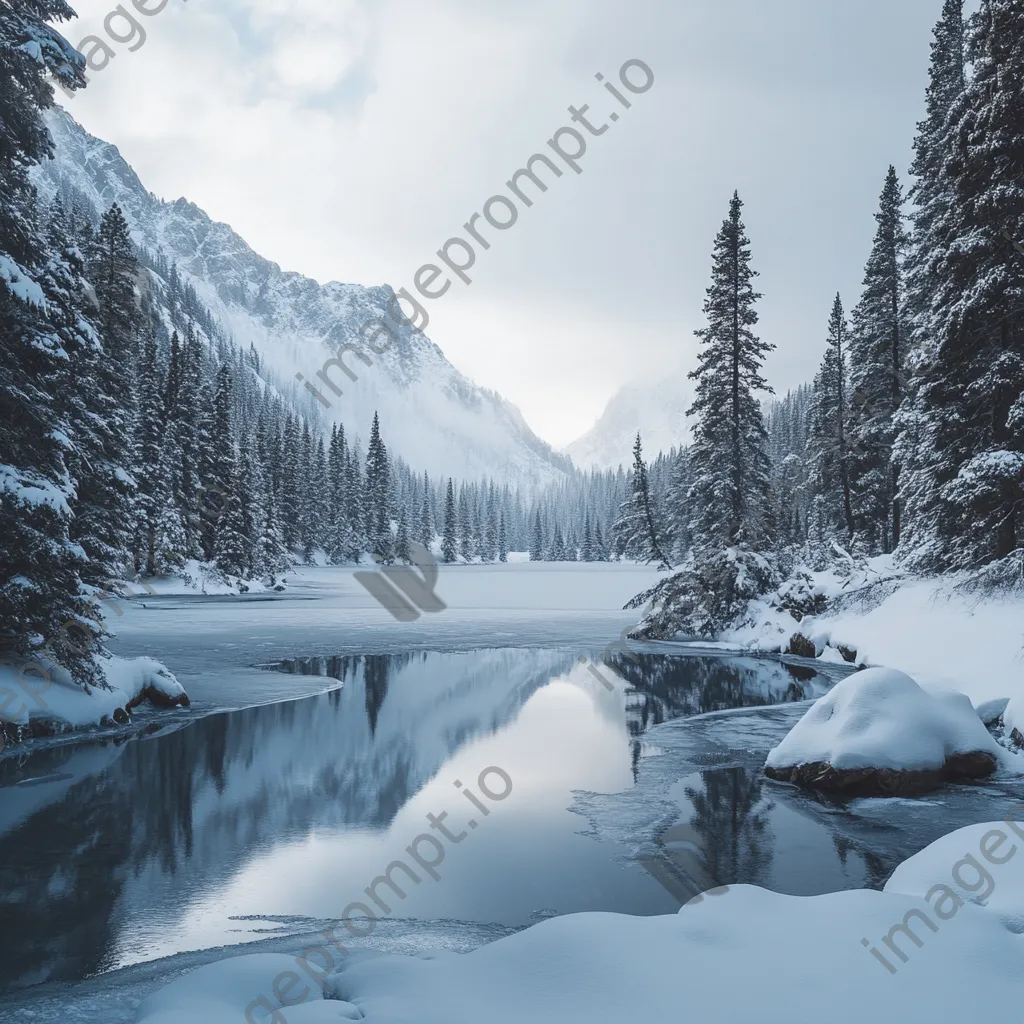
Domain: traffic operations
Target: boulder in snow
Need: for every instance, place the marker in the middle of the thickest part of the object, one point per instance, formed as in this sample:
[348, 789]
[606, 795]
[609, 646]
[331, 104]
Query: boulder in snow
[877, 733]
[801, 647]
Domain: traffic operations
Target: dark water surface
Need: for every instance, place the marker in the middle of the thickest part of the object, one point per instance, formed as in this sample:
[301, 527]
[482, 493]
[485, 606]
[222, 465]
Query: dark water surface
[254, 822]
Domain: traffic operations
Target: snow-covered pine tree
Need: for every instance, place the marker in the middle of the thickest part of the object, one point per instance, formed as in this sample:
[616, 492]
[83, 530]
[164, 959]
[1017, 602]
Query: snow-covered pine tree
[218, 464]
[270, 553]
[449, 540]
[307, 494]
[231, 545]
[43, 604]
[425, 524]
[677, 508]
[970, 408]
[915, 445]
[640, 528]
[878, 343]
[153, 494]
[556, 553]
[930, 195]
[466, 544]
[289, 497]
[378, 497]
[502, 537]
[402, 552]
[729, 499]
[537, 539]
[489, 546]
[356, 514]
[334, 487]
[318, 509]
[832, 510]
[587, 546]
[100, 380]
[101, 483]
[252, 491]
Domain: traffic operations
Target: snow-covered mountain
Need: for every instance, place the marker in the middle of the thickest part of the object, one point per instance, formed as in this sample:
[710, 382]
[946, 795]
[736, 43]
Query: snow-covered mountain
[431, 415]
[654, 406]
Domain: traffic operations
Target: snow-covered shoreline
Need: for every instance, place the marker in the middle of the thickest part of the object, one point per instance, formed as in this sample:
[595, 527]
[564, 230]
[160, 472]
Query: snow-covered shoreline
[932, 628]
[42, 700]
[800, 954]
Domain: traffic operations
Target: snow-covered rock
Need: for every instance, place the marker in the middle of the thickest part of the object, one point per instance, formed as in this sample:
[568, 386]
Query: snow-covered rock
[978, 864]
[877, 732]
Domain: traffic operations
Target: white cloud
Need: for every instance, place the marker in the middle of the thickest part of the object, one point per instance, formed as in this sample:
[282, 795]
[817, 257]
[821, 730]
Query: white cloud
[348, 139]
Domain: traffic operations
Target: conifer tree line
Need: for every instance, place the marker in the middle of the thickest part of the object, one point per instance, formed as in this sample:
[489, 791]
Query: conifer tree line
[910, 440]
[916, 423]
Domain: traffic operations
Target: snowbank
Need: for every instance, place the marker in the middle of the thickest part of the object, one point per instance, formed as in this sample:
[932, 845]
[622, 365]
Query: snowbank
[881, 721]
[799, 958]
[939, 634]
[221, 992]
[196, 577]
[40, 699]
[977, 864]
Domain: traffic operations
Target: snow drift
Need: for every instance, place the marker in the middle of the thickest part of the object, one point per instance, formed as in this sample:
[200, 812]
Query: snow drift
[802, 959]
[977, 864]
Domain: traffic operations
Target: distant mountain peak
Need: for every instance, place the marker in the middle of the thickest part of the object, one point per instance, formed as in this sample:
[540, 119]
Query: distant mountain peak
[654, 406]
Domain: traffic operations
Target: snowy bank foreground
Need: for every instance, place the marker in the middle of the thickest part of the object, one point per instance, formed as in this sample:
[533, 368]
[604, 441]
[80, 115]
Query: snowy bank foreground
[926, 948]
[42, 700]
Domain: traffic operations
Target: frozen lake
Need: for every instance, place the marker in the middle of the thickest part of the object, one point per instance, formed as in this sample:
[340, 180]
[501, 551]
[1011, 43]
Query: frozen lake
[324, 736]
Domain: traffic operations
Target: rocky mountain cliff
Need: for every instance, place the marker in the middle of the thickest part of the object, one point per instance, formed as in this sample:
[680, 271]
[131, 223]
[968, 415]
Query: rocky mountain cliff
[431, 415]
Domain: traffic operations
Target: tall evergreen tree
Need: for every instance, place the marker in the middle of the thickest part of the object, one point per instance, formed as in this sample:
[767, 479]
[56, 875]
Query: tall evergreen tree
[402, 552]
[537, 539]
[219, 468]
[425, 526]
[43, 605]
[502, 537]
[378, 497]
[556, 553]
[153, 491]
[970, 409]
[103, 380]
[358, 542]
[915, 447]
[231, 548]
[877, 378]
[827, 444]
[729, 498]
[587, 547]
[640, 524]
[467, 546]
[449, 540]
[289, 498]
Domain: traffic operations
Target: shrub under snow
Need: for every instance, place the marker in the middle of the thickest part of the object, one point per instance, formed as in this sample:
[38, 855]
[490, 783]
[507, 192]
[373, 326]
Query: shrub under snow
[708, 596]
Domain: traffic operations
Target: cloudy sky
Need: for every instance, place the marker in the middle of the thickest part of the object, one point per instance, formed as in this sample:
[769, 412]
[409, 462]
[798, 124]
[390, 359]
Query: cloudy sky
[349, 139]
